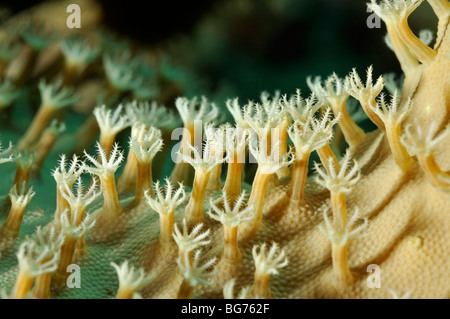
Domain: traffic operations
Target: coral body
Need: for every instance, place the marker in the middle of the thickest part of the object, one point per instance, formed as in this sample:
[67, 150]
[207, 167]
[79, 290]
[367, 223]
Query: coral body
[402, 198]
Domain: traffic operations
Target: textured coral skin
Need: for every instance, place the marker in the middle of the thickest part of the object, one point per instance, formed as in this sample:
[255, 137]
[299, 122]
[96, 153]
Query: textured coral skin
[408, 234]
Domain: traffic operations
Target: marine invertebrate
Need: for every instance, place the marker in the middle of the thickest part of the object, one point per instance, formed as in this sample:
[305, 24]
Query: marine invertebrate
[396, 175]
[165, 206]
[144, 151]
[231, 217]
[73, 227]
[216, 136]
[20, 197]
[34, 261]
[130, 280]
[236, 140]
[395, 14]
[78, 201]
[265, 116]
[365, 93]
[228, 290]
[300, 109]
[127, 180]
[150, 115]
[194, 274]
[307, 137]
[110, 124]
[340, 236]
[78, 55]
[189, 241]
[237, 112]
[192, 113]
[119, 74]
[24, 162]
[54, 97]
[338, 183]
[267, 263]
[333, 90]
[392, 117]
[51, 240]
[105, 169]
[422, 145]
[203, 163]
[65, 178]
[268, 163]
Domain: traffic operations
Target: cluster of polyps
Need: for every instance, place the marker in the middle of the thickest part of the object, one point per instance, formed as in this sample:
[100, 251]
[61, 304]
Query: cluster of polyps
[241, 219]
[192, 112]
[19, 194]
[119, 72]
[51, 252]
[130, 280]
[410, 50]
[149, 115]
[37, 259]
[51, 240]
[273, 120]
[335, 94]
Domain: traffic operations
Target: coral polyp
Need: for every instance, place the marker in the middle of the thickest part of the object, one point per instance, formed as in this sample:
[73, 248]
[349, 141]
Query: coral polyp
[164, 211]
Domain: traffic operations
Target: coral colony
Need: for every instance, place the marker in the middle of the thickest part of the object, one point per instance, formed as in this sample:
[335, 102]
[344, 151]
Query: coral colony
[303, 228]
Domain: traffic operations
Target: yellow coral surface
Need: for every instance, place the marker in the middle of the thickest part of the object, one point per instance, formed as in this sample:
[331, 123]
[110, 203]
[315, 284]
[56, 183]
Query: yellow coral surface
[407, 235]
